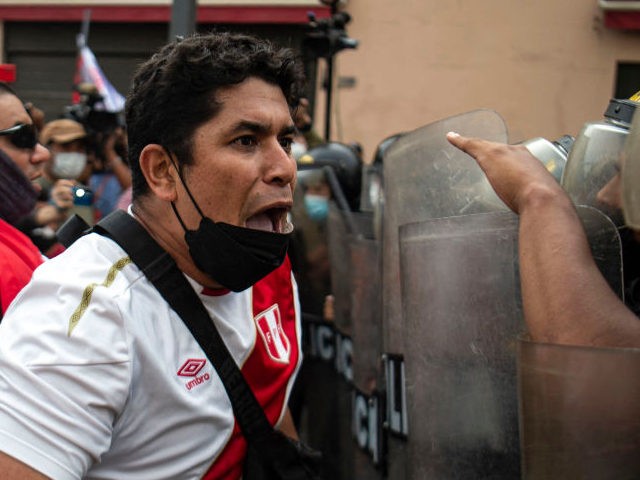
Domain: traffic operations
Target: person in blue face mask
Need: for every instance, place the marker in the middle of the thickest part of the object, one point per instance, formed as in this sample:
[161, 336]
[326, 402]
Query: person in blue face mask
[309, 243]
[316, 199]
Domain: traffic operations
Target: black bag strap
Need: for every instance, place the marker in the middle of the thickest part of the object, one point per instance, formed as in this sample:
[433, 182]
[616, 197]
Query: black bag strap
[164, 274]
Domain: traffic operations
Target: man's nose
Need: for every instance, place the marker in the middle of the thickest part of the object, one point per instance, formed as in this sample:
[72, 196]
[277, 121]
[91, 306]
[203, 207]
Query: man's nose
[40, 154]
[281, 166]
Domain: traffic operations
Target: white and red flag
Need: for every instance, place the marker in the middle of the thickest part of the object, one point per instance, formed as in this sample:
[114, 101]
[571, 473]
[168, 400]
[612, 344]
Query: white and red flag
[88, 71]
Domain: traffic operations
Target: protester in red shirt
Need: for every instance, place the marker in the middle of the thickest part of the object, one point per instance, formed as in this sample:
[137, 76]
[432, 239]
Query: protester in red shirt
[21, 162]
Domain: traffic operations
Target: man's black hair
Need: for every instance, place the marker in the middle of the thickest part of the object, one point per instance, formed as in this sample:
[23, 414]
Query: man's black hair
[174, 92]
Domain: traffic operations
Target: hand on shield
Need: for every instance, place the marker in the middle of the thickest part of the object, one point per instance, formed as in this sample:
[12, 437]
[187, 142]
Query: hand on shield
[517, 177]
[565, 298]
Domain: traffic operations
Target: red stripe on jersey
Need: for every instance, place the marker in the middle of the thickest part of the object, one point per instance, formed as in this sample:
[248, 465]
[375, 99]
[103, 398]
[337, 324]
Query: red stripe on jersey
[267, 377]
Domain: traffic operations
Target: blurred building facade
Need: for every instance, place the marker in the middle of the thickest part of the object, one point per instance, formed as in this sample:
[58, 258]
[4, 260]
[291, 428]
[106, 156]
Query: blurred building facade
[545, 66]
[39, 37]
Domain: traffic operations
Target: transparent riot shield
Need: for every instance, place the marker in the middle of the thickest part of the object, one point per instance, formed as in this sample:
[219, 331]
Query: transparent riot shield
[425, 178]
[579, 411]
[366, 335]
[592, 178]
[341, 234]
[452, 306]
[344, 346]
[580, 406]
[462, 316]
[606, 246]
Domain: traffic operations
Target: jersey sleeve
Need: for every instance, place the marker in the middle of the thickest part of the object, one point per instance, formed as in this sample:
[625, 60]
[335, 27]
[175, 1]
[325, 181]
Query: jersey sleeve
[65, 369]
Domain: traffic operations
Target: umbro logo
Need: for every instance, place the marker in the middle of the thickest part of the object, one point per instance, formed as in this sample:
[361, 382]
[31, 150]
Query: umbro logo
[191, 368]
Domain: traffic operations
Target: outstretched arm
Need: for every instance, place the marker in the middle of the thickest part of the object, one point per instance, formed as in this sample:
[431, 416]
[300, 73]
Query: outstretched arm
[565, 298]
[10, 469]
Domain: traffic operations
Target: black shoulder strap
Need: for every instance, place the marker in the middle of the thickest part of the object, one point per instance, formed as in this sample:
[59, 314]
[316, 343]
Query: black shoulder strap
[164, 274]
[72, 229]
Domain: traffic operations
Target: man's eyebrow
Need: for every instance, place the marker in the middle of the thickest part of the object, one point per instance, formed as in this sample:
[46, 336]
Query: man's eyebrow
[288, 130]
[246, 125]
[260, 128]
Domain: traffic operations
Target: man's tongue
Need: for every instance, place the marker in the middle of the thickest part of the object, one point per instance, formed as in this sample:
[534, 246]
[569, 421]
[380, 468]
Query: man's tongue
[261, 221]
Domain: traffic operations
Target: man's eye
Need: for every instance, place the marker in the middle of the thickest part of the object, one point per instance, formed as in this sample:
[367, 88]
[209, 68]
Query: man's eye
[286, 143]
[246, 141]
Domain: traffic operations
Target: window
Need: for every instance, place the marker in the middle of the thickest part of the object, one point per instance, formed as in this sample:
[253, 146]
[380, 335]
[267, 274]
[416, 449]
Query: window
[627, 79]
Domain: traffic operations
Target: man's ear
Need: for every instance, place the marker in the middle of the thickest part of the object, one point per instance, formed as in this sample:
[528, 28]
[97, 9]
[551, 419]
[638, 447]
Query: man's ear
[158, 170]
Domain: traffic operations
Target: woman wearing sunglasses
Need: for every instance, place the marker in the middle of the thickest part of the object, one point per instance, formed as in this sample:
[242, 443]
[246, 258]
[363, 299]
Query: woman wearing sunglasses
[21, 161]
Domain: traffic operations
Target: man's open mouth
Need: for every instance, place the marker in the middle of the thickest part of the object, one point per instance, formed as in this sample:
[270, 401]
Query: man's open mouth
[271, 220]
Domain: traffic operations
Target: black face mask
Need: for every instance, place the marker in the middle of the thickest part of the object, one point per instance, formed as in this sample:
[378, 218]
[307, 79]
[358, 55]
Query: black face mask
[17, 196]
[236, 257]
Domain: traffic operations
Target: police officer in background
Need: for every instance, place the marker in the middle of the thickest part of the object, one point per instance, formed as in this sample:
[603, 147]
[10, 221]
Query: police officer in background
[565, 298]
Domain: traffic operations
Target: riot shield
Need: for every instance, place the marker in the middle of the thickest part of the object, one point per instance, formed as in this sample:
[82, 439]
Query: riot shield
[452, 304]
[579, 407]
[366, 335]
[355, 327]
[425, 177]
[606, 246]
[462, 316]
[592, 178]
[579, 411]
[341, 234]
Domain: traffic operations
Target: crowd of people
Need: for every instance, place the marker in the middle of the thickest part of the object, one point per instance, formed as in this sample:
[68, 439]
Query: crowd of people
[75, 179]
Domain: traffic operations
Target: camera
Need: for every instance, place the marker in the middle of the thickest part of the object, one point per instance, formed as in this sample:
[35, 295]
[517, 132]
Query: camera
[82, 195]
[88, 113]
[97, 122]
[326, 37]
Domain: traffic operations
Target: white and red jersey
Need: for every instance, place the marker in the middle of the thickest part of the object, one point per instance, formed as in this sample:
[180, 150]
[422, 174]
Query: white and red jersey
[100, 378]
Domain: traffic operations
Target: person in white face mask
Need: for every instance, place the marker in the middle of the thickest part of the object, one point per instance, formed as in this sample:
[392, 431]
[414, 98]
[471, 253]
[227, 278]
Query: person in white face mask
[66, 139]
[62, 184]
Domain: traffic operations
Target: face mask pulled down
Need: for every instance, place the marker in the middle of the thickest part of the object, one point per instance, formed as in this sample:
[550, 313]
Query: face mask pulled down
[236, 257]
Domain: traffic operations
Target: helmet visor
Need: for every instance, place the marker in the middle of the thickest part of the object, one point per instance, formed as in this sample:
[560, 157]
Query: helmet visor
[591, 174]
[631, 176]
